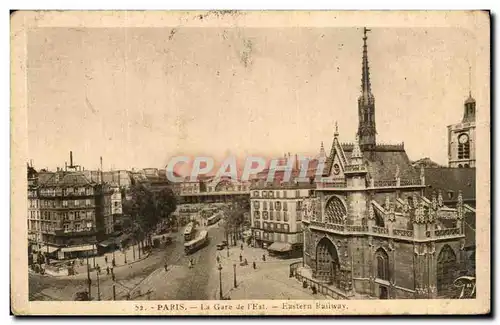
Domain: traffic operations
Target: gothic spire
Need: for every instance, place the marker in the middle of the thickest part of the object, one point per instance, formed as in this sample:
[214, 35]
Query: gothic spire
[322, 152]
[356, 150]
[365, 78]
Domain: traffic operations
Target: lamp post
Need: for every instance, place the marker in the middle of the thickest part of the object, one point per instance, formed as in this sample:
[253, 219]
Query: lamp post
[89, 282]
[227, 249]
[220, 281]
[94, 252]
[98, 289]
[234, 268]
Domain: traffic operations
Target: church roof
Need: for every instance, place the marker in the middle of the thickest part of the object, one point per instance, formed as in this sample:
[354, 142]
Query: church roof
[450, 181]
[383, 164]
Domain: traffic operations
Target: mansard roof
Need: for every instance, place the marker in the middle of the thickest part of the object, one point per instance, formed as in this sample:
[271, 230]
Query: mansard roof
[66, 179]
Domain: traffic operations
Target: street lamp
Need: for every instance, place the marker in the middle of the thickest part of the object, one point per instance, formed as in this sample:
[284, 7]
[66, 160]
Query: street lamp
[227, 249]
[98, 289]
[220, 281]
[234, 267]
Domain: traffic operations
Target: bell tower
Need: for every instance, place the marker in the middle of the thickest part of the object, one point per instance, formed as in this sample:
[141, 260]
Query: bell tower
[366, 105]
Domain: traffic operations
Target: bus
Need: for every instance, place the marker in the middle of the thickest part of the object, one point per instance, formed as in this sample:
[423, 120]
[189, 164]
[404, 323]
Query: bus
[199, 242]
[213, 219]
[189, 231]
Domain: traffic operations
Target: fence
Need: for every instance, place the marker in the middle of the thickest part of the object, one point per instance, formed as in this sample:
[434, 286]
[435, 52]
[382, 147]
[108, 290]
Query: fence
[320, 287]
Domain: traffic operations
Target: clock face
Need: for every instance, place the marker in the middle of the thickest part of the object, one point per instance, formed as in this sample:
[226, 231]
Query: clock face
[463, 138]
[336, 169]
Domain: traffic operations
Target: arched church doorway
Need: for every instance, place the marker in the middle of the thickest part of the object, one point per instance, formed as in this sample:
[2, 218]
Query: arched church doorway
[327, 262]
[447, 267]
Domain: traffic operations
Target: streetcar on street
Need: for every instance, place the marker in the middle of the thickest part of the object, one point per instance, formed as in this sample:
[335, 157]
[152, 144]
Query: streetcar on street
[213, 219]
[199, 242]
[189, 232]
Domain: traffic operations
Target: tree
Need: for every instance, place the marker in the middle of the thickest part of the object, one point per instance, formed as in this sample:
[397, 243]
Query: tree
[166, 203]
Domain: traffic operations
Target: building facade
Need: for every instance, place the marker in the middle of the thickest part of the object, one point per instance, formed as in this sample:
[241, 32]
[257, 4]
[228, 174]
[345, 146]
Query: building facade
[73, 215]
[462, 138]
[275, 216]
[369, 231]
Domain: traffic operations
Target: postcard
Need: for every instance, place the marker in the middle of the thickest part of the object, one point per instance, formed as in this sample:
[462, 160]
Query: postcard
[250, 162]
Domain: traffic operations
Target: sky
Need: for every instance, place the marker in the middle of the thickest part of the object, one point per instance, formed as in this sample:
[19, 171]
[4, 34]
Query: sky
[138, 96]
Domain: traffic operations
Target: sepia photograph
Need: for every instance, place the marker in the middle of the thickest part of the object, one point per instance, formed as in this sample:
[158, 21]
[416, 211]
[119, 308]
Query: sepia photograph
[253, 163]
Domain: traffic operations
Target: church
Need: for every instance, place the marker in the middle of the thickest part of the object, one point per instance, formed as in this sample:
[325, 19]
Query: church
[369, 231]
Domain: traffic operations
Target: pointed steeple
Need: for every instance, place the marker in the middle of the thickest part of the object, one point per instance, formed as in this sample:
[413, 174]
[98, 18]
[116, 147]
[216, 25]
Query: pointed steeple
[365, 78]
[366, 104]
[322, 152]
[336, 134]
[469, 104]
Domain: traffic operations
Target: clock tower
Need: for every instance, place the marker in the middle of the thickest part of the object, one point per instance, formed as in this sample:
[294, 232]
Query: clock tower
[462, 138]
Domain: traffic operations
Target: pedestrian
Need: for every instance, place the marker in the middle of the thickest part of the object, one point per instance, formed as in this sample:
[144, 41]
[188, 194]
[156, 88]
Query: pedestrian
[105, 259]
[246, 262]
[218, 259]
[166, 267]
[113, 277]
[113, 262]
[264, 257]
[241, 258]
[112, 272]
[241, 246]
[107, 270]
[254, 265]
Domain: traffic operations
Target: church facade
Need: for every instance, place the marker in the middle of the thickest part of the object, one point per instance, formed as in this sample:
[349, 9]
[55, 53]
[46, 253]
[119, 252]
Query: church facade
[369, 232]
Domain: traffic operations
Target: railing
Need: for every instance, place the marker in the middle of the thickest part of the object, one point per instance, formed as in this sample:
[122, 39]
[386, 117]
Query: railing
[331, 184]
[356, 228]
[384, 232]
[320, 287]
[380, 230]
[409, 182]
[447, 232]
[403, 233]
[355, 168]
[386, 183]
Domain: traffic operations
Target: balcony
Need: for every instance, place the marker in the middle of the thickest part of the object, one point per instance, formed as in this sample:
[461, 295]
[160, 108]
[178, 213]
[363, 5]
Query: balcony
[331, 184]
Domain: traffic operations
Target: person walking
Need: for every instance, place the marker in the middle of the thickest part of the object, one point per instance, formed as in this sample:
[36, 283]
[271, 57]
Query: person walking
[218, 259]
[107, 270]
[166, 267]
[254, 265]
[241, 246]
[264, 257]
[105, 259]
[241, 258]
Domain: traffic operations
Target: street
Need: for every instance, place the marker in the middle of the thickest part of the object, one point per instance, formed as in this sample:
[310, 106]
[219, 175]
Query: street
[179, 283]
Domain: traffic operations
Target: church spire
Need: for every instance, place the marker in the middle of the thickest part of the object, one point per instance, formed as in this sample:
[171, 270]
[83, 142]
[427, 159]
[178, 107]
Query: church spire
[322, 152]
[470, 104]
[366, 104]
[365, 78]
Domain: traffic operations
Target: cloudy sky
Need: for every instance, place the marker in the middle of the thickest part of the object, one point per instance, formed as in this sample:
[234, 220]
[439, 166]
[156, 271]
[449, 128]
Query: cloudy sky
[137, 96]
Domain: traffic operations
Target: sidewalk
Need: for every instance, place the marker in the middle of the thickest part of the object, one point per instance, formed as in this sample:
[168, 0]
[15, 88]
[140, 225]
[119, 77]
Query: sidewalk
[270, 279]
[122, 258]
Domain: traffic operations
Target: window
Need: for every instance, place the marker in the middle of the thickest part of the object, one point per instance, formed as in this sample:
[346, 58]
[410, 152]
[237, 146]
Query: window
[264, 193]
[66, 228]
[278, 215]
[286, 227]
[285, 216]
[278, 194]
[285, 206]
[256, 205]
[278, 206]
[264, 225]
[256, 193]
[271, 207]
[77, 203]
[284, 194]
[271, 215]
[271, 194]
[466, 166]
[382, 262]
[256, 224]
[298, 216]
[271, 226]
[65, 203]
[78, 227]
[265, 215]
[264, 205]
[256, 214]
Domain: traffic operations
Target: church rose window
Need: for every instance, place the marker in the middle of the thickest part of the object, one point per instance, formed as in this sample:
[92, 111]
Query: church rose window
[335, 210]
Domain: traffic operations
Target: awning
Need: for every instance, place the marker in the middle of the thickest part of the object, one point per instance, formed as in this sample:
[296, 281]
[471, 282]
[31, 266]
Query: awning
[280, 247]
[50, 249]
[107, 242]
[78, 248]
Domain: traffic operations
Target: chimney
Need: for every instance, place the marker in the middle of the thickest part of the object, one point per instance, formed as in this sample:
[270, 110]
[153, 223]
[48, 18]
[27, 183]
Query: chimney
[71, 158]
[65, 166]
[101, 170]
[31, 162]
